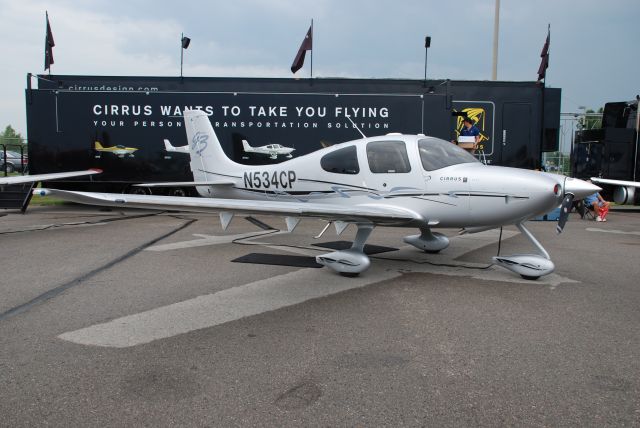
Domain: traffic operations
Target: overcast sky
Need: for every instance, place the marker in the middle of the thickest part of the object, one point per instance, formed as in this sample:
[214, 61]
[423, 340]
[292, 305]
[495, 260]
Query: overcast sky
[594, 43]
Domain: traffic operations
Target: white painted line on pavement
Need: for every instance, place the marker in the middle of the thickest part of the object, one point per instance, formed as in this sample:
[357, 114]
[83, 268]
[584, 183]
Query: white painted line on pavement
[221, 307]
[289, 289]
[205, 240]
[620, 232]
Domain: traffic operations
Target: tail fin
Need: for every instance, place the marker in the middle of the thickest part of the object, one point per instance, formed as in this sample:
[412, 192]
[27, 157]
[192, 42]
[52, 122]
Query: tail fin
[97, 145]
[207, 156]
[170, 148]
[247, 148]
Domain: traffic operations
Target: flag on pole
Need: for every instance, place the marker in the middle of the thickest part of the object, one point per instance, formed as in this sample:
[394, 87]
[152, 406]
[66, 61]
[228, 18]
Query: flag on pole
[544, 62]
[185, 42]
[307, 45]
[48, 46]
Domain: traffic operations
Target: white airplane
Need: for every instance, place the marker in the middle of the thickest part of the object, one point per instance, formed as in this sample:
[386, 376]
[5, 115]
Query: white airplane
[20, 179]
[272, 150]
[624, 191]
[392, 180]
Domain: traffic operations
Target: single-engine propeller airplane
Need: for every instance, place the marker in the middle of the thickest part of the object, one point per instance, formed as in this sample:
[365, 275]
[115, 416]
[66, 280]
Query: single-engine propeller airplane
[391, 180]
[119, 150]
[271, 150]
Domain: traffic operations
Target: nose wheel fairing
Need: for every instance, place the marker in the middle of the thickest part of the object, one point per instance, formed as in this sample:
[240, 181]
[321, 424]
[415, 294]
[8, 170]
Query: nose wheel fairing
[529, 266]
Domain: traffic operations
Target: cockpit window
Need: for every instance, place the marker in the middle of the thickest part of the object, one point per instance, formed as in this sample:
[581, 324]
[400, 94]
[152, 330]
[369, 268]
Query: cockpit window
[436, 153]
[341, 161]
[388, 157]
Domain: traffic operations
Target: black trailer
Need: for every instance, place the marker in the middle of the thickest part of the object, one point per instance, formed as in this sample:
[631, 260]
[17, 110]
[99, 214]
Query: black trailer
[118, 124]
[612, 150]
[609, 151]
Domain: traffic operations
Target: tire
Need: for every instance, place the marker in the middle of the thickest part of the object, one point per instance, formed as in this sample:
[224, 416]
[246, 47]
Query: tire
[134, 190]
[10, 168]
[349, 274]
[178, 191]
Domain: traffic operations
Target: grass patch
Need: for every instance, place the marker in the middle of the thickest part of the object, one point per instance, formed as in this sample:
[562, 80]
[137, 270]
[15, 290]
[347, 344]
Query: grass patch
[45, 201]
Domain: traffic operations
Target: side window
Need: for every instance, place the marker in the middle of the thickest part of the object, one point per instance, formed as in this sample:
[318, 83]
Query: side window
[342, 161]
[388, 157]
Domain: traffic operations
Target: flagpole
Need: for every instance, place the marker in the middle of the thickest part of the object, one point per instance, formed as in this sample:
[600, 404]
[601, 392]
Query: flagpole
[542, 110]
[635, 165]
[181, 53]
[311, 48]
[542, 123]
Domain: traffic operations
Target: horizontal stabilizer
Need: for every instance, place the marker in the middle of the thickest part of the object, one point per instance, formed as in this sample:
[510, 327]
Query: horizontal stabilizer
[188, 183]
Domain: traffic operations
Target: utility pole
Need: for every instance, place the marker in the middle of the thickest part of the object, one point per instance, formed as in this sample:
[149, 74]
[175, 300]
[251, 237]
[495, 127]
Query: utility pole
[496, 27]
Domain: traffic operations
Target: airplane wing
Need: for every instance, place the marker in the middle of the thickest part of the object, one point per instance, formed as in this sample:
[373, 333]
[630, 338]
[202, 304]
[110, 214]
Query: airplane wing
[616, 182]
[19, 179]
[375, 213]
[188, 183]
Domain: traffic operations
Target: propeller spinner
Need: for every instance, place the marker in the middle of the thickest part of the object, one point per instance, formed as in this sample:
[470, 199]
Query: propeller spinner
[573, 189]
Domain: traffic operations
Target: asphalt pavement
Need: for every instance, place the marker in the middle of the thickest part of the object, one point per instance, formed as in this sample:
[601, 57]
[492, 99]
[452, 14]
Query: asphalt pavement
[135, 318]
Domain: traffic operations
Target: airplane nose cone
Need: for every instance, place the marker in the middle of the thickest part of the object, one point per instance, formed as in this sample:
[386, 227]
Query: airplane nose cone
[579, 188]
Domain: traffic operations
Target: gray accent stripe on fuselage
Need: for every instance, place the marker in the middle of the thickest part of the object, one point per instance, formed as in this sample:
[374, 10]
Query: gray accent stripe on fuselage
[222, 175]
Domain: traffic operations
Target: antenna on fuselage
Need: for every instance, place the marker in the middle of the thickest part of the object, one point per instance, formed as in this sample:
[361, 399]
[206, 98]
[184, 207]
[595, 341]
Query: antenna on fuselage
[356, 126]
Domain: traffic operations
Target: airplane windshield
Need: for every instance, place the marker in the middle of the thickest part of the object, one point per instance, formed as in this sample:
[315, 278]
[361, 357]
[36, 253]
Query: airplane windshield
[436, 153]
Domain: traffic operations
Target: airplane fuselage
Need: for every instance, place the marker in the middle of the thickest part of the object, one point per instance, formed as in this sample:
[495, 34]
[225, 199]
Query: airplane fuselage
[463, 194]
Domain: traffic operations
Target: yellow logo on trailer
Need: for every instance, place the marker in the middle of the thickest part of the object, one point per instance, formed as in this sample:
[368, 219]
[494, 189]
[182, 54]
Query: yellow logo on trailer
[478, 118]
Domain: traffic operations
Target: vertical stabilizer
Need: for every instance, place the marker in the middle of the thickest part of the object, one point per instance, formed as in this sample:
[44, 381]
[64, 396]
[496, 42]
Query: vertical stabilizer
[207, 156]
[247, 148]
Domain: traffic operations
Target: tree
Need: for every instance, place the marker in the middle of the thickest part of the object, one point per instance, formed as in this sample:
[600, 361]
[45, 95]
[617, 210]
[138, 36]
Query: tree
[11, 138]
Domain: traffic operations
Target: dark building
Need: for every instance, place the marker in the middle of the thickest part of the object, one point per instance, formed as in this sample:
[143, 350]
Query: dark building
[118, 124]
[610, 151]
